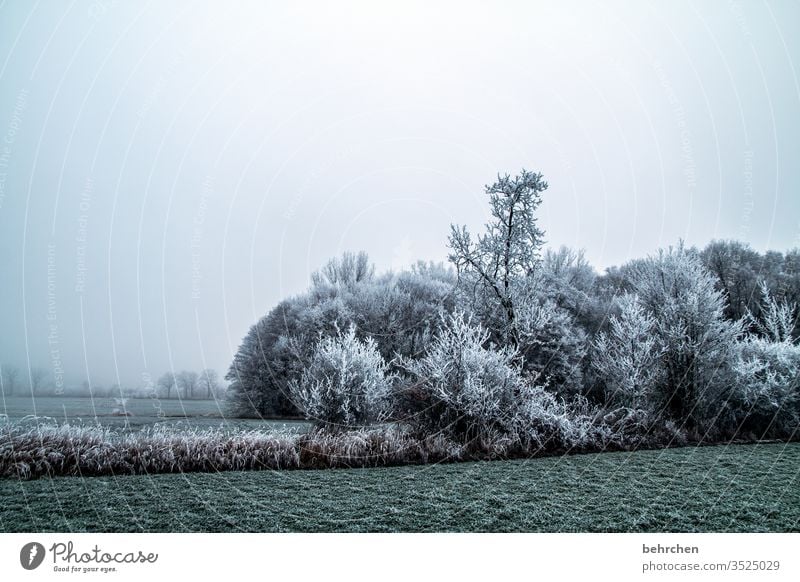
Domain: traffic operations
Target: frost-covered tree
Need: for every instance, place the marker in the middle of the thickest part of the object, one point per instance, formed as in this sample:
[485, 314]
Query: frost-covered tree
[37, 377]
[346, 271]
[551, 344]
[166, 383]
[274, 352]
[627, 358]
[569, 279]
[695, 339]
[776, 320]
[209, 382]
[491, 266]
[187, 381]
[735, 266]
[9, 376]
[346, 383]
[765, 399]
[398, 310]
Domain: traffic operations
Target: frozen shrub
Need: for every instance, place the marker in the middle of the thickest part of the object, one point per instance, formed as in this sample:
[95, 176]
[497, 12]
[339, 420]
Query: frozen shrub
[474, 392]
[345, 384]
[469, 388]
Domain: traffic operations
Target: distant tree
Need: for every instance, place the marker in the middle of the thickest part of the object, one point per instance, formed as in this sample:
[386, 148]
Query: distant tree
[209, 381]
[166, 383]
[37, 376]
[10, 375]
[491, 267]
[188, 382]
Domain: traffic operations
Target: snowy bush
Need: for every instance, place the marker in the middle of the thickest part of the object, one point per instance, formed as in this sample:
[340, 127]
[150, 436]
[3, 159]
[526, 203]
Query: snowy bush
[345, 384]
[469, 388]
[474, 391]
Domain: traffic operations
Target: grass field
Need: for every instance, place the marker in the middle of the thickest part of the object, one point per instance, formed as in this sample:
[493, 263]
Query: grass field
[142, 411]
[751, 488]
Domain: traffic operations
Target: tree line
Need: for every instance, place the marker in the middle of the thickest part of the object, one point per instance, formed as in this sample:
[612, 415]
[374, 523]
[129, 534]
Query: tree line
[512, 342]
[186, 384]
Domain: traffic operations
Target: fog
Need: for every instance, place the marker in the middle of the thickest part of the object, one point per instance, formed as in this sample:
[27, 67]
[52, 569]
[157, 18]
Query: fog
[168, 172]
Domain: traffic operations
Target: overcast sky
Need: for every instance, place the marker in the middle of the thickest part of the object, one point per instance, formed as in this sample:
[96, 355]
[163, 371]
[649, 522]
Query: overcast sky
[169, 171]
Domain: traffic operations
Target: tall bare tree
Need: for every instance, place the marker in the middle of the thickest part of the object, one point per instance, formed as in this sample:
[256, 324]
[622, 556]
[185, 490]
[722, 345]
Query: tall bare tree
[10, 375]
[209, 380]
[37, 376]
[187, 381]
[492, 267]
[167, 382]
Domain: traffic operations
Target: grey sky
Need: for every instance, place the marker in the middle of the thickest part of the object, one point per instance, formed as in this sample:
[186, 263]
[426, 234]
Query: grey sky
[169, 171]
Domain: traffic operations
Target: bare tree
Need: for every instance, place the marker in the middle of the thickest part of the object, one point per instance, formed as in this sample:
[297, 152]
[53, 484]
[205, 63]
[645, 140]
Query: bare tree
[167, 382]
[10, 374]
[492, 267]
[209, 380]
[37, 376]
[187, 381]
